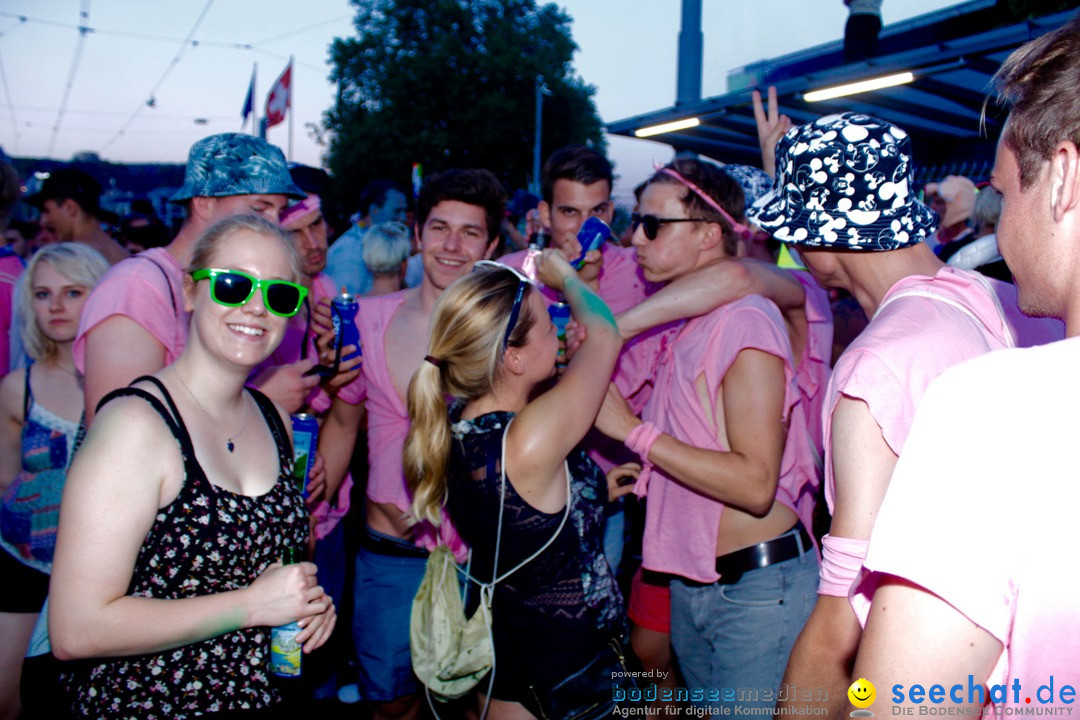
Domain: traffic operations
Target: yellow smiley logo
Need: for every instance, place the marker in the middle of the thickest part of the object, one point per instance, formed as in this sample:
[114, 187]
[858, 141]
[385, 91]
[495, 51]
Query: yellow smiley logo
[861, 693]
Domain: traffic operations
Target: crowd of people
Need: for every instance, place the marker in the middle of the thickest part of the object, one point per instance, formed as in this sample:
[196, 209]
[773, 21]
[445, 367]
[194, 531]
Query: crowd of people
[693, 496]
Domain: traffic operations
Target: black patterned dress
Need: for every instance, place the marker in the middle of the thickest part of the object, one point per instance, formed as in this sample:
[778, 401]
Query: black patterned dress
[207, 541]
[561, 609]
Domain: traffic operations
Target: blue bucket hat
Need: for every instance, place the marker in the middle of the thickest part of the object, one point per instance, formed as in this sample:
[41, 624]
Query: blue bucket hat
[235, 164]
[845, 182]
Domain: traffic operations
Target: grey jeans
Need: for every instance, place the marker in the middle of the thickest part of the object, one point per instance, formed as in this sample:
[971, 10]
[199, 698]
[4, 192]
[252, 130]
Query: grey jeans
[736, 638]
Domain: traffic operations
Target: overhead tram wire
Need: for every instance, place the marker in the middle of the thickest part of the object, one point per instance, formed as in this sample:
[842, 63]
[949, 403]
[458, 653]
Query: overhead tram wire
[299, 31]
[153, 91]
[84, 16]
[128, 34]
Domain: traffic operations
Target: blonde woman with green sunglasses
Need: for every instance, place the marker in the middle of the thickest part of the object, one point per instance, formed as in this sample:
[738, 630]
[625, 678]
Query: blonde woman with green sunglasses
[192, 472]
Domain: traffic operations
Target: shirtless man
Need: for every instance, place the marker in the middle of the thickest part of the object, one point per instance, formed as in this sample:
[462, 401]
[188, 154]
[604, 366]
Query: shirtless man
[457, 223]
[70, 205]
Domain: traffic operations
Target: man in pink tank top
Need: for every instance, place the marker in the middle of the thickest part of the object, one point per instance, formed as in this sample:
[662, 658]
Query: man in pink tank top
[843, 196]
[972, 594]
[457, 223]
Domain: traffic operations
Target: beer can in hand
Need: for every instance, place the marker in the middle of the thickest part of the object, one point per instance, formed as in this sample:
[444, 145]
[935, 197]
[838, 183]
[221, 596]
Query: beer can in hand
[305, 442]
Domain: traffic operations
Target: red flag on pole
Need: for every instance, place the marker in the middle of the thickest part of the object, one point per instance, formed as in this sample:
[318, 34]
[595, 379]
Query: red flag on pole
[279, 100]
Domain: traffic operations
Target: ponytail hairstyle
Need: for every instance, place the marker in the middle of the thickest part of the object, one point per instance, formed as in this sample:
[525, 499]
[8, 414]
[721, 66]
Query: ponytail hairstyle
[464, 360]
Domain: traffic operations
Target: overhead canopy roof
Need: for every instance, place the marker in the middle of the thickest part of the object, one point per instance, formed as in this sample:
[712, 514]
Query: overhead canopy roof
[952, 53]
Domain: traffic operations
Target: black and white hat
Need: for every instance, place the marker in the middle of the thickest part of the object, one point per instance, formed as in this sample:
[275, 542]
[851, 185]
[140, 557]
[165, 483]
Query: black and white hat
[844, 182]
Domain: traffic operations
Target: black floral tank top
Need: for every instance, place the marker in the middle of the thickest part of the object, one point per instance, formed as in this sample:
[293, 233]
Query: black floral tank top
[208, 540]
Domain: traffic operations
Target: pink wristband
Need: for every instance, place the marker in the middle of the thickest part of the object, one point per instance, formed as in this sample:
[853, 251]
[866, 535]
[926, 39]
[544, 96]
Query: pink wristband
[841, 560]
[640, 440]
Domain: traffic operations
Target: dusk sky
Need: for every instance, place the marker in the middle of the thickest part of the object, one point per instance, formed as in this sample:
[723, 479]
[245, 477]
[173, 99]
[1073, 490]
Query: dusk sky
[135, 51]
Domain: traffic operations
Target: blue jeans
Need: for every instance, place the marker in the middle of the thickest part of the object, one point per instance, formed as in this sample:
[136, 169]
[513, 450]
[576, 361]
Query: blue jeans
[385, 588]
[740, 635]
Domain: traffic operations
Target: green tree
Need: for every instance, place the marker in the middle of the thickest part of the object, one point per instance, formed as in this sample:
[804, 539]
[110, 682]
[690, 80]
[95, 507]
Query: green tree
[451, 83]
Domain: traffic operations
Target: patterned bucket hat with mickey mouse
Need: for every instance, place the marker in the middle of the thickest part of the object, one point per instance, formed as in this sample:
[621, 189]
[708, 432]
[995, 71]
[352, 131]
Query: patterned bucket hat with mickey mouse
[845, 182]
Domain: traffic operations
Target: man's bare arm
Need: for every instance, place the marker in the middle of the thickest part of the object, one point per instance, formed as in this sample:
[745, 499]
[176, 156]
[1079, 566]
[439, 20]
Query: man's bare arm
[862, 466]
[912, 634]
[707, 288]
[118, 350]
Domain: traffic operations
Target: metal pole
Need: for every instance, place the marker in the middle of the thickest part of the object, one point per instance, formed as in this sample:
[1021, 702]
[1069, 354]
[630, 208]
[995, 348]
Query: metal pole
[691, 42]
[534, 184]
[292, 107]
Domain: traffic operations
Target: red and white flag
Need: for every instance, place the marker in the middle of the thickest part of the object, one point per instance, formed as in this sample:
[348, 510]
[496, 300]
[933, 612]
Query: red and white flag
[279, 100]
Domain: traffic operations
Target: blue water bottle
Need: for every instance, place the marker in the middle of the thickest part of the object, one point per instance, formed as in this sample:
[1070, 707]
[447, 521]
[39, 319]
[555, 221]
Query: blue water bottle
[343, 314]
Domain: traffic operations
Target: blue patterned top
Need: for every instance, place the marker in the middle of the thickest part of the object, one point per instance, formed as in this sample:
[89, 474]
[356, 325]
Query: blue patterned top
[30, 510]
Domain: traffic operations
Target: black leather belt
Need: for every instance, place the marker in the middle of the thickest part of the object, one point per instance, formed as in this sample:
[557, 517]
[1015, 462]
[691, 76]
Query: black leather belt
[792, 544]
[382, 544]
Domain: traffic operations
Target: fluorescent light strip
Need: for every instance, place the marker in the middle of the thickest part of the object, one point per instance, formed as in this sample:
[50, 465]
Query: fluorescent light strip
[667, 127]
[859, 87]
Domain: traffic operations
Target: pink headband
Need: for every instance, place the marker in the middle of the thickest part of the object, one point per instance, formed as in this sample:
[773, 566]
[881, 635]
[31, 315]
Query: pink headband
[299, 208]
[736, 227]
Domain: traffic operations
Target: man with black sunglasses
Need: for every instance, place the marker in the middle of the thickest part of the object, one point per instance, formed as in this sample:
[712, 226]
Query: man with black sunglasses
[457, 223]
[134, 322]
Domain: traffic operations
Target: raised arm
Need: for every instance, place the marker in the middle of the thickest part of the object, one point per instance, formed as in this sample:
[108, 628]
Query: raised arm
[771, 126]
[709, 287]
[862, 464]
[111, 497]
[549, 427]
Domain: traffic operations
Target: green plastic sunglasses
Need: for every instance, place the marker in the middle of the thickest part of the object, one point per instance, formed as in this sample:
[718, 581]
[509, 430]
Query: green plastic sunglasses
[234, 288]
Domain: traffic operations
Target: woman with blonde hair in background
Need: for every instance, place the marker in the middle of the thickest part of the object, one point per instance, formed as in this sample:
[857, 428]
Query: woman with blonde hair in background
[506, 453]
[40, 408]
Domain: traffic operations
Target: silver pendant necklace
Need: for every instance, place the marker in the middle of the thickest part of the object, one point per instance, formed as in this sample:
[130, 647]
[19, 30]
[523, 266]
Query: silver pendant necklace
[230, 443]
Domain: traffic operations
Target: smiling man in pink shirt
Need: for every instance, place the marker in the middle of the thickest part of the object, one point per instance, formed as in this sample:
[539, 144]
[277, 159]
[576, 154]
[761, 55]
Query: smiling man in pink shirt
[457, 223]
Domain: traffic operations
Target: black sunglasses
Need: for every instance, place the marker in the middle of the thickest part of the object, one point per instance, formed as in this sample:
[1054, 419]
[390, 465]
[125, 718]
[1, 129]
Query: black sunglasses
[234, 288]
[515, 309]
[652, 223]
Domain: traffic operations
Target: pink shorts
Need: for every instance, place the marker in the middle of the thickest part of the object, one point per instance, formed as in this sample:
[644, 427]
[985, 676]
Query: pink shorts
[650, 602]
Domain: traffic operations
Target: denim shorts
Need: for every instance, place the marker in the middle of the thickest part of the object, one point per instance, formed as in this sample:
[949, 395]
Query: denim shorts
[740, 635]
[385, 588]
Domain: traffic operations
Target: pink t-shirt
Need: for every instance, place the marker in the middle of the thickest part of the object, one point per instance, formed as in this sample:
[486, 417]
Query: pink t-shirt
[298, 331]
[11, 267]
[388, 420]
[147, 288]
[913, 338]
[326, 515]
[622, 286]
[811, 379]
[681, 524]
[988, 476]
